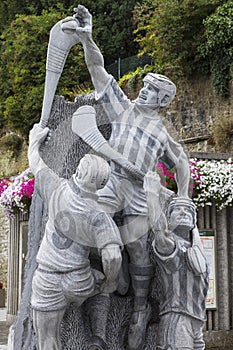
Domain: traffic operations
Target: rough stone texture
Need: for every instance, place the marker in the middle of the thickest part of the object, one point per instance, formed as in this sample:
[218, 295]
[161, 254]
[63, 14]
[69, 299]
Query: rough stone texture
[195, 111]
[4, 233]
[219, 340]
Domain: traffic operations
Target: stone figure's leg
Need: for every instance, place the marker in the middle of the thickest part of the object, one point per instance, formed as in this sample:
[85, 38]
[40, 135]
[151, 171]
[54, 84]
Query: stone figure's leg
[175, 332]
[47, 327]
[141, 278]
[141, 272]
[199, 343]
[98, 309]
[49, 304]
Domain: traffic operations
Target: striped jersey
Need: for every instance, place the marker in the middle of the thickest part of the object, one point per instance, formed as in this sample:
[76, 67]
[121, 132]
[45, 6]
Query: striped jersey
[182, 290]
[137, 132]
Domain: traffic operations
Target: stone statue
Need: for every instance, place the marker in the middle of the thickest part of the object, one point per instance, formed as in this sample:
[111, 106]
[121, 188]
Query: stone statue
[139, 135]
[82, 212]
[183, 270]
[75, 224]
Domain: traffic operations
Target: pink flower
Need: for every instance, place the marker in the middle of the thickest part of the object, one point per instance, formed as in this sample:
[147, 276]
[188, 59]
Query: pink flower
[16, 193]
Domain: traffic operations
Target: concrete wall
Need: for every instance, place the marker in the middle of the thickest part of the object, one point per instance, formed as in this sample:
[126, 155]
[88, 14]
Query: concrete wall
[195, 112]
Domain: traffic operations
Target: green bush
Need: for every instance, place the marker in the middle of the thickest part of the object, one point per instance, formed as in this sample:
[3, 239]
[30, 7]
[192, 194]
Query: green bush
[22, 70]
[11, 142]
[186, 37]
[218, 46]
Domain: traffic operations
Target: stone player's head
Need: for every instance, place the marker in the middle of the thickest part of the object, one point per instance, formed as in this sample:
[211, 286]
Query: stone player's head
[181, 214]
[92, 173]
[158, 91]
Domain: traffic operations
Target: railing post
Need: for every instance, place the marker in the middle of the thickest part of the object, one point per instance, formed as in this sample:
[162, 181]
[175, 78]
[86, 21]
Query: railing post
[13, 270]
[222, 270]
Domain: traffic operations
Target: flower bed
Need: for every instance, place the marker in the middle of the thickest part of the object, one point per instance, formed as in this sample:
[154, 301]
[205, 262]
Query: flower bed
[211, 181]
[16, 193]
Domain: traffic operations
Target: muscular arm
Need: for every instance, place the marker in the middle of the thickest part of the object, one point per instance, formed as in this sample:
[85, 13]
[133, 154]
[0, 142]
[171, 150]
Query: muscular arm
[182, 175]
[95, 64]
[93, 56]
[182, 172]
[163, 239]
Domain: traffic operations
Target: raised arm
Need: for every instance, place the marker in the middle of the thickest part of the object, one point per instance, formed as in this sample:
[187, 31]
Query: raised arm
[181, 166]
[163, 239]
[93, 56]
[182, 175]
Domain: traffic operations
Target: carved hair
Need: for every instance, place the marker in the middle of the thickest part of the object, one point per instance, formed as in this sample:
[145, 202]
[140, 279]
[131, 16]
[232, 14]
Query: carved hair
[166, 88]
[184, 202]
[93, 171]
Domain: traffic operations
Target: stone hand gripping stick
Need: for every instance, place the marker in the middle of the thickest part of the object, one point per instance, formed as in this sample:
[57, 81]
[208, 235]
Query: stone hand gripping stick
[63, 36]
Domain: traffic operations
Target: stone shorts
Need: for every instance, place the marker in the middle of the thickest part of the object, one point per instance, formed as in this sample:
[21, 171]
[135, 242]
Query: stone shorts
[54, 291]
[122, 194]
[179, 332]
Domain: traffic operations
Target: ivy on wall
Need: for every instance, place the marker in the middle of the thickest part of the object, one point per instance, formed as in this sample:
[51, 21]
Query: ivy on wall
[218, 46]
[188, 37]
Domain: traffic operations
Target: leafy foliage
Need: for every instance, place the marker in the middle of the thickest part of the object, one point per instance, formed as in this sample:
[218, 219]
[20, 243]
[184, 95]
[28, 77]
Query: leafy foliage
[112, 21]
[11, 142]
[23, 57]
[23, 51]
[10, 9]
[171, 32]
[218, 46]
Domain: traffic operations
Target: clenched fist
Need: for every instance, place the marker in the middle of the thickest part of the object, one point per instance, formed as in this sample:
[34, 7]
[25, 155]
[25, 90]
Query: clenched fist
[111, 260]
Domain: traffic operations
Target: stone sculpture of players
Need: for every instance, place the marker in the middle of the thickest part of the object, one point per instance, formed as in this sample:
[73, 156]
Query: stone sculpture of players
[139, 135]
[183, 270]
[74, 225]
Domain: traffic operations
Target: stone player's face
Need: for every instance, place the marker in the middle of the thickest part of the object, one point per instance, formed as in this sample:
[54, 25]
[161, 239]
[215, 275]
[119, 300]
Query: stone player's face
[148, 95]
[181, 216]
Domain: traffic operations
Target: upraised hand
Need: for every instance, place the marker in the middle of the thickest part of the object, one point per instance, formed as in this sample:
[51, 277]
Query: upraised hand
[36, 137]
[84, 18]
[79, 24]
